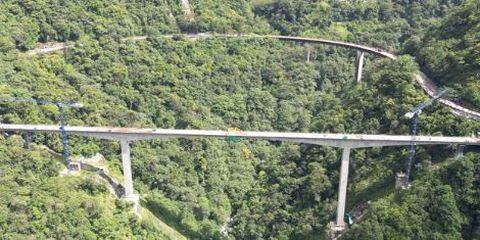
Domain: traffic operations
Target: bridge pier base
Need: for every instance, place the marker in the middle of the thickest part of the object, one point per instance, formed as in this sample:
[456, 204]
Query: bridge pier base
[129, 196]
[359, 66]
[342, 190]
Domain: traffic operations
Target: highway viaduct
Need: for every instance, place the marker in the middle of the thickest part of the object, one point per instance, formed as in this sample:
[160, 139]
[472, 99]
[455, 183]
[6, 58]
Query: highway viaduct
[361, 49]
[344, 141]
[420, 77]
[426, 83]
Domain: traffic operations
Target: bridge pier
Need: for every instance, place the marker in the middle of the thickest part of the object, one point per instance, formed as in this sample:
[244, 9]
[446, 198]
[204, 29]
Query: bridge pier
[129, 196]
[27, 139]
[359, 66]
[459, 152]
[342, 190]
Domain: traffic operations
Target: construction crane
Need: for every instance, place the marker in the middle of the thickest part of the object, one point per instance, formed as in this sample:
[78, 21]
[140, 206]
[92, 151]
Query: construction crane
[414, 116]
[61, 105]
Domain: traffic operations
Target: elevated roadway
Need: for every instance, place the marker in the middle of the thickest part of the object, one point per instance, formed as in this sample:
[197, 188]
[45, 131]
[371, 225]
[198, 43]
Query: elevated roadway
[421, 78]
[363, 48]
[344, 141]
[324, 139]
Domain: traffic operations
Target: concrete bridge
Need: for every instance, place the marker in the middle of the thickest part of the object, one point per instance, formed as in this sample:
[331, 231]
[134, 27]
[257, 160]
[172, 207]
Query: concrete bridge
[427, 84]
[362, 48]
[345, 141]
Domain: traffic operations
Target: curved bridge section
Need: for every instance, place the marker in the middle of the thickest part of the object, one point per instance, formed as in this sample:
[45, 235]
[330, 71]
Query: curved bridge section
[376, 51]
[420, 77]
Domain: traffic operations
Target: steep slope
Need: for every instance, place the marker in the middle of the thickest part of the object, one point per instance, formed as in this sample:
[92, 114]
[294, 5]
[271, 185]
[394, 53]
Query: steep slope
[214, 189]
[379, 23]
[442, 204]
[426, 83]
[450, 52]
[36, 202]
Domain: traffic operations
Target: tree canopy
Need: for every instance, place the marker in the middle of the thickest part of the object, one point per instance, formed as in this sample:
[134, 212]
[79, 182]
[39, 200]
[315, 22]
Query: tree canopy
[234, 188]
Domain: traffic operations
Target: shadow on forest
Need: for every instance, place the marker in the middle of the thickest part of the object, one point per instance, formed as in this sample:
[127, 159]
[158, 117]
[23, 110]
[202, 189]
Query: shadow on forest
[168, 218]
[377, 190]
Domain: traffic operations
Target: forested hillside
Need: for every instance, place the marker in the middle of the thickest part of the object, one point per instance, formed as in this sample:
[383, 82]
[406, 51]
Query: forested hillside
[37, 203]
[450, 52]
[233, 188]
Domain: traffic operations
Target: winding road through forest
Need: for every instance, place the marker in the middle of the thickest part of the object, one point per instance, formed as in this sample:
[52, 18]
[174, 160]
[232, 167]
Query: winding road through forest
[427, 84]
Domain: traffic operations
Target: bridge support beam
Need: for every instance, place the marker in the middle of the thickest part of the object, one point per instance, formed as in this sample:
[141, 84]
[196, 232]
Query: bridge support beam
[129, 196]
[359, 66]
[342, 189]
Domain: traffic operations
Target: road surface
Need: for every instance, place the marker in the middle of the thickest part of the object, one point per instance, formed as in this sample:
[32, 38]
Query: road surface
[326, 139]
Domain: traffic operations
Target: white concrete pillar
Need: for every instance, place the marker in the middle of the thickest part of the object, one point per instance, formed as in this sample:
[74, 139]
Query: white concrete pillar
[342, 188]
[28, 139]
[459, 153]
[127, 175]
[127, 168]
[359, 66]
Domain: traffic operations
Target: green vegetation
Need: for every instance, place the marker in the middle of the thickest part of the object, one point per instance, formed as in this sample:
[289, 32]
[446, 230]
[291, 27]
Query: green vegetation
[165, 229]
[438, 208]
[382, 23]
[450, 52]
[232, 188]
[37, 203]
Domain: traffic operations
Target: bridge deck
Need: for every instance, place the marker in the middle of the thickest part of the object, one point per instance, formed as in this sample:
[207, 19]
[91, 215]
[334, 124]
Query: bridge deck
[364, 48]
[330, 139]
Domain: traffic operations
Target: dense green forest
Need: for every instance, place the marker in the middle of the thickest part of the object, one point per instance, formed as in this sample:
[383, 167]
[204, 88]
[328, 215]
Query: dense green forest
[221, 189]
[449, 51]
[37, 203]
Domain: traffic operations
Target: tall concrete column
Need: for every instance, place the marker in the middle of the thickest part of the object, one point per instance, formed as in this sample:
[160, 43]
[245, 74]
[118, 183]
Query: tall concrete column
[359, 66]
[127, 175]
[459, 153]
[309, 51]
[342, 188]
[28, 139]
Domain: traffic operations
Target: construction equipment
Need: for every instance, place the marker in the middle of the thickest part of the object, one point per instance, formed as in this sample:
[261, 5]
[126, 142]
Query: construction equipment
[61, 105]
[415, 121]
[419, 108]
